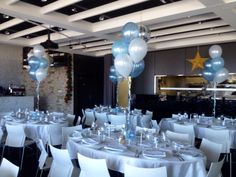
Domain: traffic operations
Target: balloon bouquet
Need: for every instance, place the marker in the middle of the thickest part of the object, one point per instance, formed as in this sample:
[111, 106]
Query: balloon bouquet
[214, 70]
[38, 67]
[129, 52]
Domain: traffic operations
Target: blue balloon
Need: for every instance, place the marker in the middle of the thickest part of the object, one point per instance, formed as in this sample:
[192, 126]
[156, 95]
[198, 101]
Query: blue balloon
[208, 74]
[130, 31]
[137, 69]
[119, 47]
[208, 64]
[217, 63]
[34, 62]
[43, 63]
[32, 74]
[114, 76]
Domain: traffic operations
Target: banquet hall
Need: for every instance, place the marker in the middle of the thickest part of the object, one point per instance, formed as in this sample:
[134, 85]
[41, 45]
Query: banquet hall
[125, 77]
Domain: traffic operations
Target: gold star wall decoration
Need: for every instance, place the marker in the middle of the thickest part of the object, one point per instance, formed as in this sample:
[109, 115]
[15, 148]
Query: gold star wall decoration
[197, 61]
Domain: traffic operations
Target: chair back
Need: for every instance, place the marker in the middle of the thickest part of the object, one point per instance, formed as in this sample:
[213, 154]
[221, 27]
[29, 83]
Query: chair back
[145, 120]
[1, 135]
[92, 167]
[119, 119]
[8, 169]
[211, 150]
[215, 168]
[66, 131]
[180, 137]
[61, 164]
[132, 171]
[89, 117]
[189, 129]
[15, 135]
[155, 125]
[70, 118]
[55, 134]
[101, 118]
[223, 137]
[43, 154]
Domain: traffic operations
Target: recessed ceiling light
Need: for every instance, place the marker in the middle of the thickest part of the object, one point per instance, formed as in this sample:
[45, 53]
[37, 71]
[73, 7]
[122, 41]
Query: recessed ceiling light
[163, 1]
[27, 37]
[60, 29]
[44, 0]
[102, 17]
[7, 32]
[74, 10]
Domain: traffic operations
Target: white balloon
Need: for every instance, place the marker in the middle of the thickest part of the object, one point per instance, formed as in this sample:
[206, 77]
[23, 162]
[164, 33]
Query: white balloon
[123, 64]
[137, 49]
[221, 75]
[215, 51]
[38, 51]
[41, 74]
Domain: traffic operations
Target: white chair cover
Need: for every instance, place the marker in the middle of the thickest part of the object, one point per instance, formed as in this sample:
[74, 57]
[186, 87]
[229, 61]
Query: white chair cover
[89, 117]
[92, 167]
[101, 118]
[61, 164]
[8, 169]
[44, 162]
[119, 119]
[215, 169]
[132, 171]
[189, 129]
[180, 137]
[211, 150]
[146, 120]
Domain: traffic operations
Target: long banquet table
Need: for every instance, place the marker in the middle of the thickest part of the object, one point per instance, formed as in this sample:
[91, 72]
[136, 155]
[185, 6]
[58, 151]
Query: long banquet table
[187, 166]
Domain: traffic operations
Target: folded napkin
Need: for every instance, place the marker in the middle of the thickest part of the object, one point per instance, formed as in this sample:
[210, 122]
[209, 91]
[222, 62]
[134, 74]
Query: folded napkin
[115, 147]
[76, 135]
[154, 154]
[89, 141]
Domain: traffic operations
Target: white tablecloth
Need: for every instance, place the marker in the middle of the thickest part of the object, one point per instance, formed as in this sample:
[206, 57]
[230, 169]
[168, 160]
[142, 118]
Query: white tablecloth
[194, 167]
[167, 124]
[36, 129]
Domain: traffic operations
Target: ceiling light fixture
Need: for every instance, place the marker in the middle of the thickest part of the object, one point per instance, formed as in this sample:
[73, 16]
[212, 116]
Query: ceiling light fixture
[5, 16]
[44, 0]
[74, 10]
[7, 32]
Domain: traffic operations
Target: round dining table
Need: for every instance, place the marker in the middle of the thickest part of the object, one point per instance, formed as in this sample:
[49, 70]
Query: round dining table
[185, 161]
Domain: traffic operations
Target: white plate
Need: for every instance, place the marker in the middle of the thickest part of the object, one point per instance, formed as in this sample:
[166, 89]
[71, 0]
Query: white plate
[115, 147]
[217, 127]
[154, 154]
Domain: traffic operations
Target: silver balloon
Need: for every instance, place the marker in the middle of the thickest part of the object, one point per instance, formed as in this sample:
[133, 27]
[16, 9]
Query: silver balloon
[144, 33]
[221, 75]
[215, 51]
[137, 49]
[41, 74]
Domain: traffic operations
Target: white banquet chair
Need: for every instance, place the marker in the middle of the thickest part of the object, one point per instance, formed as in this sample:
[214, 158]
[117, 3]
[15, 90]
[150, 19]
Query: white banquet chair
[101, 118]
[66, 131]
[92, 167]
[89, 117]
[119, 119]
[155, 125]
[61, 163]
[189, 129]
[16, 138]
[211, 150]
[215, 169]
[8, 169]
[70, 118]
[179, 137]
[146, 120]
[44, 161]
[132, 171]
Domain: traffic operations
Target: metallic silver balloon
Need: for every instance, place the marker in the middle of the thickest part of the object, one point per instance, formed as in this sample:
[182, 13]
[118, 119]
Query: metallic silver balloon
[144, 33]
